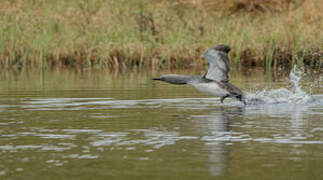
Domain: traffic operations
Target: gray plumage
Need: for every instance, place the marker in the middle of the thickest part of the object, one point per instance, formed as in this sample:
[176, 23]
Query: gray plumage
[219, 64]
[181, 79]
[216, 80]
[175, 79]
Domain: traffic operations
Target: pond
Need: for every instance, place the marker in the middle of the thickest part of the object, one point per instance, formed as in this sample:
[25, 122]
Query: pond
[63, 124]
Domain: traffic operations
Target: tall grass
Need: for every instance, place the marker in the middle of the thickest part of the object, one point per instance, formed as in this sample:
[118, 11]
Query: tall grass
[159, 34]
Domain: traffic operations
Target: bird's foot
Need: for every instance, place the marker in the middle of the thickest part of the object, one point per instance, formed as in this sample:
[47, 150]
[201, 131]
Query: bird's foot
[241, 99]
[222, 98]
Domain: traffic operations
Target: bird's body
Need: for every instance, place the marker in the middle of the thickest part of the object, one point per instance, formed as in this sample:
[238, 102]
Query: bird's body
[215, 81]
[211, 88]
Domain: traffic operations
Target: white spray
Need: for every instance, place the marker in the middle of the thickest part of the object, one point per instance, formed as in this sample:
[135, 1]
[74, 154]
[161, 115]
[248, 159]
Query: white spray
[282, 95]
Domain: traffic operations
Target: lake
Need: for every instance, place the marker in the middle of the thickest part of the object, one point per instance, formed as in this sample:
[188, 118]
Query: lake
[69, 124]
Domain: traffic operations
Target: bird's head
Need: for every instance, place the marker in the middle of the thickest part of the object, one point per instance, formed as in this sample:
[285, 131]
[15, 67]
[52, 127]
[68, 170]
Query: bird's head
[223, 48]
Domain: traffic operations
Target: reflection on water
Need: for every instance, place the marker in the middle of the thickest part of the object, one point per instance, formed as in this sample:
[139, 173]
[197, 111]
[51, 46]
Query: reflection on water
[108, 126]
[218, 143]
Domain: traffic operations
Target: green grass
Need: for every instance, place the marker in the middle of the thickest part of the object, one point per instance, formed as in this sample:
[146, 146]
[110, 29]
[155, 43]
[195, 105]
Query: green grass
[166, 34]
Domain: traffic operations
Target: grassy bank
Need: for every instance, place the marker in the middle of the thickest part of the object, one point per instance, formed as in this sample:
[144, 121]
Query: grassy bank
[158, 34]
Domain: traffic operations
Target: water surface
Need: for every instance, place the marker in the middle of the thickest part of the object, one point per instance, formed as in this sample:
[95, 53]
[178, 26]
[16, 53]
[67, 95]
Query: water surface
[109, 125]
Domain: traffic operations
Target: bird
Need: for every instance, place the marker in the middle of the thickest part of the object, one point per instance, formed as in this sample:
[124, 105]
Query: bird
[215, 81]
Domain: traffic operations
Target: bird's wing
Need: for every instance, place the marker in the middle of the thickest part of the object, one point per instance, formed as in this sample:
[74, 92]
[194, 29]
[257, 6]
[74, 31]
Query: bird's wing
[218, 65]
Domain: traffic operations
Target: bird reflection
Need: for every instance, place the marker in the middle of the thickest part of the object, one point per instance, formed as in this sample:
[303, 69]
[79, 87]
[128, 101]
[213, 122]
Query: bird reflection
[217, 124]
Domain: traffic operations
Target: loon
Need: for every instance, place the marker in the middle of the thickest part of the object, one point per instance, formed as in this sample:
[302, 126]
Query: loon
[215, 81]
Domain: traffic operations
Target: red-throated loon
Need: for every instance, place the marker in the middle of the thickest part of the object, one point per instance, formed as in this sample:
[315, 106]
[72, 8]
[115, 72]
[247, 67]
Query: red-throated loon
[215, 81]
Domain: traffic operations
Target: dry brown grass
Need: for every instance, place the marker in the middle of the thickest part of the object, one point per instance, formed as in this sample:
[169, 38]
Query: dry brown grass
[159, 34]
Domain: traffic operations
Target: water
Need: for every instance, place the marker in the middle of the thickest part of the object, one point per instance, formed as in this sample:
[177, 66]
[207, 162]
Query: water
[102, 125]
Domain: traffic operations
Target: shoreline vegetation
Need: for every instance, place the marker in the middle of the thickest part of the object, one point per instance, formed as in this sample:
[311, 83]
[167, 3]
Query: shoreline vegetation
[159, 34]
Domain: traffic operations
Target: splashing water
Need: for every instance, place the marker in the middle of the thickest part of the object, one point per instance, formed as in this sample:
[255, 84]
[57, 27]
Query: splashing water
[282, 95]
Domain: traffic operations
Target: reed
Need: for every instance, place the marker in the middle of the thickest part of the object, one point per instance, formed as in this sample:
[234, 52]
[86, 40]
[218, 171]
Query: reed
[158, 34]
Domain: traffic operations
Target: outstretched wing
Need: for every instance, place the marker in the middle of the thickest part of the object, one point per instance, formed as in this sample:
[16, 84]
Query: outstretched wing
[218, 65]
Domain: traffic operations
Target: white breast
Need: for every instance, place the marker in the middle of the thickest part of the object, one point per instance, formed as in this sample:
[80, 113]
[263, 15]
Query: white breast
[211, 88]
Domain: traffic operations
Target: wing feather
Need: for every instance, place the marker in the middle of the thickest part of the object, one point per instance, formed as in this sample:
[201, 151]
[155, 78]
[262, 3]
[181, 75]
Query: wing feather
[219, 65]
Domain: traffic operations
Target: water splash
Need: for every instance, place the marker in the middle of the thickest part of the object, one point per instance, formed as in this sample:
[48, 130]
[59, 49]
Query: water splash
[294, 95]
